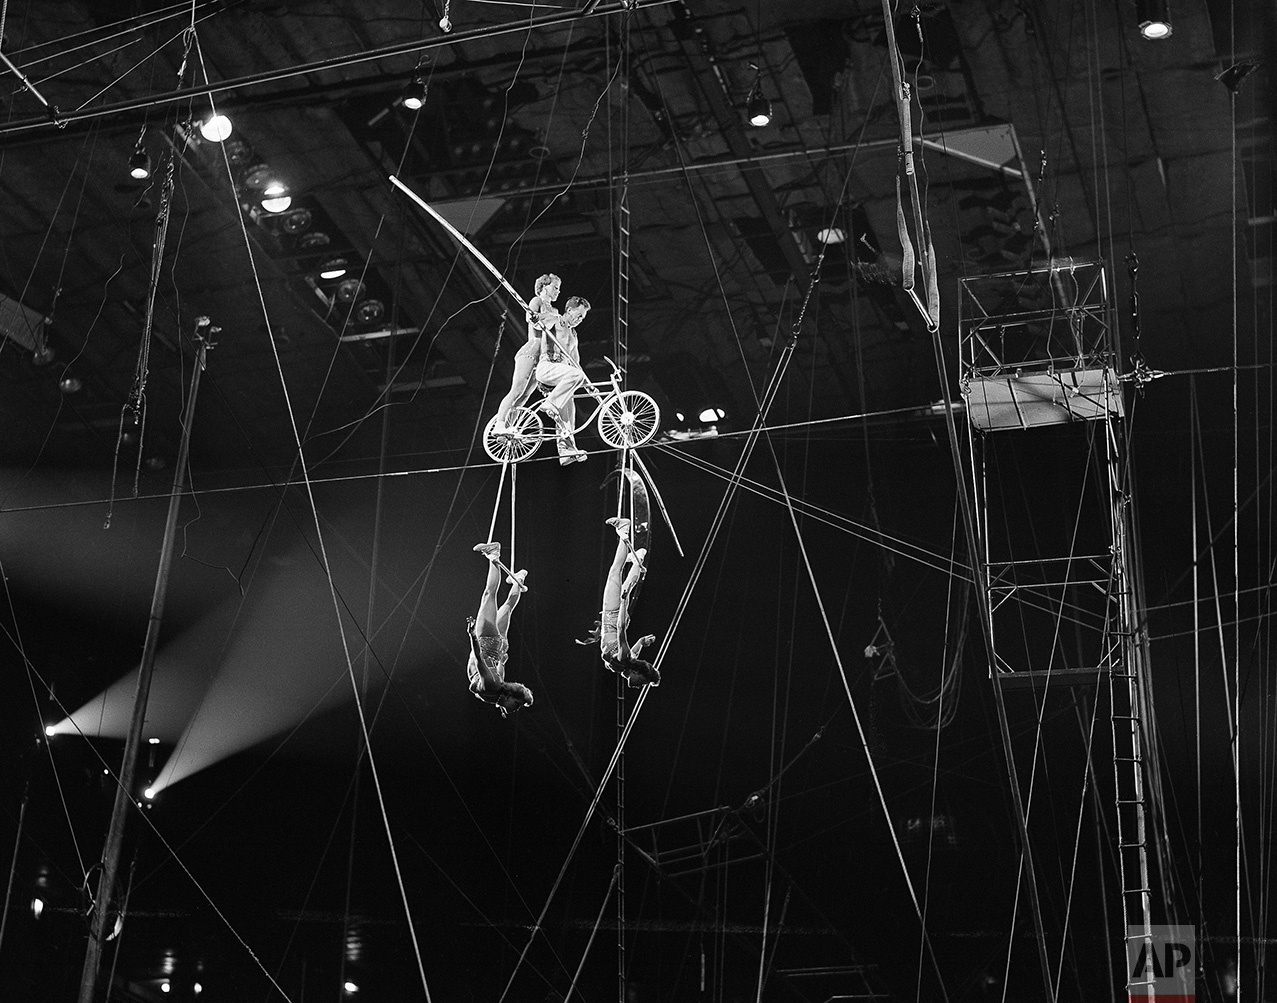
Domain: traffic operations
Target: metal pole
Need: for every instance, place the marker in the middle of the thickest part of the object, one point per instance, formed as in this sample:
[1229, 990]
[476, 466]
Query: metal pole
[13, 867]
[128, 770]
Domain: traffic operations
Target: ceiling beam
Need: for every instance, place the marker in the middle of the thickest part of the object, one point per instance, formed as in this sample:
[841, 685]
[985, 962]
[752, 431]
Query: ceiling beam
[413, 47]
[696, 46]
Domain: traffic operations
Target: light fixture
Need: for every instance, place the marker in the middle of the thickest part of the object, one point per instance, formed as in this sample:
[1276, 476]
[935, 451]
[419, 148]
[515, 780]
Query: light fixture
[370, 311]
[70, 384]
[276, 198]
[831, 235]
[414, 95]
[216, 128]
[152, 741]
[334, 269]
[166, 986]
[1154, 18]
[712, 414]
[297, 221]
[350, 987]
[757, 108]
[259, 176]
[350, 290]
[149, 794]
[140, 162]
[37, 906]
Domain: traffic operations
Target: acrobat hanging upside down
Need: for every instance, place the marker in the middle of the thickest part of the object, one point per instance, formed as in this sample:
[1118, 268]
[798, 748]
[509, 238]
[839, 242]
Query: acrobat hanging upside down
[489, 646]
[614, 618]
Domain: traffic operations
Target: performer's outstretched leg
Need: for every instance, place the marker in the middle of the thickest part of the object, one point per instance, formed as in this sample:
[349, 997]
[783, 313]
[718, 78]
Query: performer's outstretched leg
[485, 621]
[637, 571]
[612, 590]
[511, 601]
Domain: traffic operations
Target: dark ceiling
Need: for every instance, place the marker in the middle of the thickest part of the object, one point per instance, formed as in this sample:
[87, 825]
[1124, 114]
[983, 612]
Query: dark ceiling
[337, 482]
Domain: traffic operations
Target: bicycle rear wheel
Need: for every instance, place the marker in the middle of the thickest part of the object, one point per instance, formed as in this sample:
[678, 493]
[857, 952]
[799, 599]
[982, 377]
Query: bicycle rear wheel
[517, 441]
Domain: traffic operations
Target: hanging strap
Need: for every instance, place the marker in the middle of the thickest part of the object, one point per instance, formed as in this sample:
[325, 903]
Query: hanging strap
[930, 309]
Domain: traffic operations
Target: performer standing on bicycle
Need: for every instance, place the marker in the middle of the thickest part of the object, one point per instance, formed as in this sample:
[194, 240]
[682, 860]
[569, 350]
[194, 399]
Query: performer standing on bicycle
[541, 314]
[560, 369]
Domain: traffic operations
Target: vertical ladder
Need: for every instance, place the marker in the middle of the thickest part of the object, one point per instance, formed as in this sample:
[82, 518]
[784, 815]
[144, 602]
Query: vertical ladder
[622, 347]
[623, 276]
[1124, 663]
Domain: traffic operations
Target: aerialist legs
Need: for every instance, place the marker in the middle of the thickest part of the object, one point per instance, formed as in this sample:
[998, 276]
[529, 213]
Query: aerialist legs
[485, 621]
[615, 615]
[525, 360]
[489, 647]
[566, 379]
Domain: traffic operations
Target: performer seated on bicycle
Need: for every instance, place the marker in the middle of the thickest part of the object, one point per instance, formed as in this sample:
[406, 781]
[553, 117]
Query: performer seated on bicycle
[617, 654]
[489, 647]
[560, 369]
[541, 314]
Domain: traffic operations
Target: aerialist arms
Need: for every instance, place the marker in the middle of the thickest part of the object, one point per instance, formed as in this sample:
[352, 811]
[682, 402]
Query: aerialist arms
[489, 647]
[615, 650]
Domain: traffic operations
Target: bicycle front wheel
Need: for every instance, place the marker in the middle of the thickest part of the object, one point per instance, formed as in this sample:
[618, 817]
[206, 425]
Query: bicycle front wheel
[628, 419]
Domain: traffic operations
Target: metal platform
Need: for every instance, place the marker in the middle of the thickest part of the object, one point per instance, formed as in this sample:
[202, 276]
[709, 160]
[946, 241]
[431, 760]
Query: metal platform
[1042, 398]
[1039, 347]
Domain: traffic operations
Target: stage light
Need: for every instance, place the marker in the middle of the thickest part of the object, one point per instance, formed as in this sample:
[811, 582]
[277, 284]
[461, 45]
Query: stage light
[831, 235]
[153, 741]
[350, 987]
[414, 95]
[712, 414]
[37, 906]
[350, 290]
[297, 221]
[370, 311]
[140, 163]
[276, 198]
[50, 730]
[757, 108]
[1154, 18]
[334, 269]
[149, 794]
[216, 128]
[197, 988]
[166, 986]
[70, 384]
